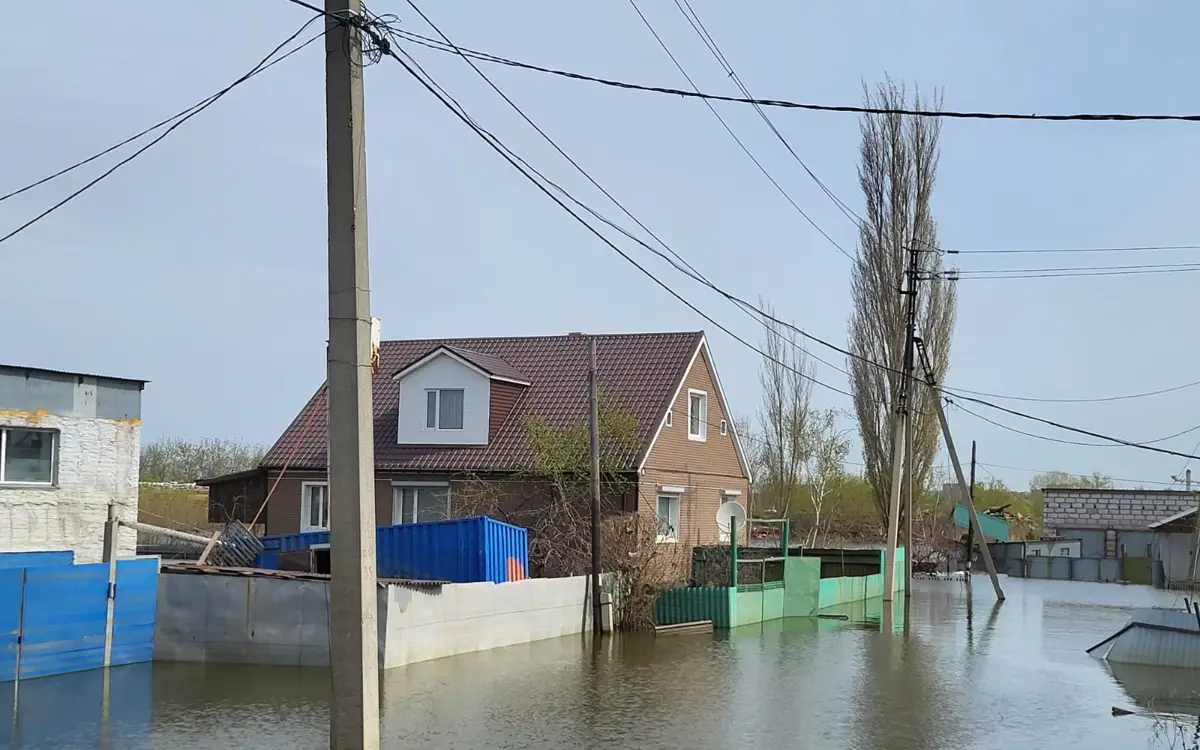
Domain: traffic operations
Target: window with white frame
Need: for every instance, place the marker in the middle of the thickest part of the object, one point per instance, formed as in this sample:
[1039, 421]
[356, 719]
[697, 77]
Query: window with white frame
[724, 427]
[668, 518]
[28, 456]
[444, 409]
[667, 422]
[697, 415]
[418, 503]
[314, 506]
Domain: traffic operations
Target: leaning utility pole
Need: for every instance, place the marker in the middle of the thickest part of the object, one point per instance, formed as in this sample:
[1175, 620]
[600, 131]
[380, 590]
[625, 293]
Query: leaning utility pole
[958, 472]
[594, 433]
[353, 631]
[901, 448]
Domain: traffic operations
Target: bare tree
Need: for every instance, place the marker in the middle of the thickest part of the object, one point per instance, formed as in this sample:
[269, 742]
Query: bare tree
[178, 460]
[787, 388]
[827, 448]
[897, 170]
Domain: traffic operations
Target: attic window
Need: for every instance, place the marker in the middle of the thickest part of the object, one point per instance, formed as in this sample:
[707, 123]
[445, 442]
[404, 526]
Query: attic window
[444, 409]
[724, 427]
[667, 421]
[697, 415]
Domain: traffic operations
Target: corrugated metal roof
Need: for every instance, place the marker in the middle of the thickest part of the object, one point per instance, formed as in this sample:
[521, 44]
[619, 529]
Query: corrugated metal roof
[1156, 637]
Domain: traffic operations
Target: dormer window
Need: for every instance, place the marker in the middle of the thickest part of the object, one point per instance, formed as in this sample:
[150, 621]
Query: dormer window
[444, 409]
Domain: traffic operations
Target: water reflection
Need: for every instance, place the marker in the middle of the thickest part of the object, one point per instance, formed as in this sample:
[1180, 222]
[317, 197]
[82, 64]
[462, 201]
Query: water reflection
[942, 671]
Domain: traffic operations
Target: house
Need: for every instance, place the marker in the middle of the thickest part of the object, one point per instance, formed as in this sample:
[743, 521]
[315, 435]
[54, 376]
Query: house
[69, 444]
[1110, 522]
[451, 413]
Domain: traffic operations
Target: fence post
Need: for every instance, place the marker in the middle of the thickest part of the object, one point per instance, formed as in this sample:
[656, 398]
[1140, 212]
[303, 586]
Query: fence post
[112, 529]
[733, 552]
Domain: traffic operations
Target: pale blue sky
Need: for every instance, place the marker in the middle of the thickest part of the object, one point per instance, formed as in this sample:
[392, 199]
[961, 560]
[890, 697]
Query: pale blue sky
[201, 266]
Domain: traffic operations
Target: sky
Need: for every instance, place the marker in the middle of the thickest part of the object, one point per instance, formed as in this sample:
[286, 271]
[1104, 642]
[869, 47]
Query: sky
[200, 266]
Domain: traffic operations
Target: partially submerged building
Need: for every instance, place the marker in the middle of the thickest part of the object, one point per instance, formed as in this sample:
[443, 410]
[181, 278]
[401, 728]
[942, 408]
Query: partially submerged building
[69, 444]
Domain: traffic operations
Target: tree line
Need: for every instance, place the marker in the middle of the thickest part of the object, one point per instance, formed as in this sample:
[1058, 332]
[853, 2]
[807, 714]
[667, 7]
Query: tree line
[178, 460]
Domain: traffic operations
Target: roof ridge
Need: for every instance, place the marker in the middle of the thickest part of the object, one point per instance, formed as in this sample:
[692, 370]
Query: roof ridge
[450, 341]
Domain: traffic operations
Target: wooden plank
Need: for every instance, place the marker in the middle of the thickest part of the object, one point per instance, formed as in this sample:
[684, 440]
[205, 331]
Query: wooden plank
[685, 628]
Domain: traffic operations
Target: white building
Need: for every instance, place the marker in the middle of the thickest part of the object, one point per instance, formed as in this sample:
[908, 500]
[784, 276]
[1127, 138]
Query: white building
[69, 443]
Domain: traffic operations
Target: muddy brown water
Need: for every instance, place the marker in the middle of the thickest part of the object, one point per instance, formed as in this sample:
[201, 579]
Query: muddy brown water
[978, 676]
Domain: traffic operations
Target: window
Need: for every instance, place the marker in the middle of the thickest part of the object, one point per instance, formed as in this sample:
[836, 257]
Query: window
[27, 456]
[668, 420]
[314, 506]
[444, 409]
[420, 503]
[697, 415]
[724, 427]
[668, 518]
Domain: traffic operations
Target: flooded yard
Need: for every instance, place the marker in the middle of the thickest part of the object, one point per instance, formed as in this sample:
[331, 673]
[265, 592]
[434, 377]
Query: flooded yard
[979, 676]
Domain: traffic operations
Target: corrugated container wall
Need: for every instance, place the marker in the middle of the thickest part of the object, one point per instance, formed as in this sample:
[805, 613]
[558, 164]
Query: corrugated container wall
[464, 550]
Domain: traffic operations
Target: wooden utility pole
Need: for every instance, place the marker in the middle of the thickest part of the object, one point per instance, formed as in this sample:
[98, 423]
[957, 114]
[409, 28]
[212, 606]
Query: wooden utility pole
[353, 631]
[971, 527]
[901, 458]
[958, 472]
[594, 433]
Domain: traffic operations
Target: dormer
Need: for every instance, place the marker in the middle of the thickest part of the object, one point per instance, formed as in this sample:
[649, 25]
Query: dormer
[454, 396]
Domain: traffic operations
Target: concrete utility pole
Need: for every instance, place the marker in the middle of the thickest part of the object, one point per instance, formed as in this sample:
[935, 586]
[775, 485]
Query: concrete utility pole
[908, 505]
[971, 527]
[594, 432]
[958, 472]
[901, 450]
[353, 633]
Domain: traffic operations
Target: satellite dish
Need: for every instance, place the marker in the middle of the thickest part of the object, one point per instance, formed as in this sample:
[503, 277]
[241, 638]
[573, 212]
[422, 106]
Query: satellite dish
[730, 511]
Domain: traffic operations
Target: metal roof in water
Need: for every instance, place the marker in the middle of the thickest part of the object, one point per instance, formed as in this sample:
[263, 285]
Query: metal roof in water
[1155, 637]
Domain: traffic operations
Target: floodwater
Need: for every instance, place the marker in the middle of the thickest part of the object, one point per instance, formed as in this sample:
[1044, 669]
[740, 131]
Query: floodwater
[965, 676]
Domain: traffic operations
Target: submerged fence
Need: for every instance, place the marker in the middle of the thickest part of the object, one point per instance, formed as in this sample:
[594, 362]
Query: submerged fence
[54, 615]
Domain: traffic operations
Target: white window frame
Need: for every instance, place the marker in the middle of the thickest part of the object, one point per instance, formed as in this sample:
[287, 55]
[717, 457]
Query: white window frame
[306, 506]
[673, 504]
[437, 411]
[724, 427]
[54, 438]
[398, 499]
[703, 421]
[669, 418]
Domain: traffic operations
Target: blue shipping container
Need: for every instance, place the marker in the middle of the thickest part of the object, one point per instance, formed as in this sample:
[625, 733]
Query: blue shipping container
[10, 560]
[462, 550]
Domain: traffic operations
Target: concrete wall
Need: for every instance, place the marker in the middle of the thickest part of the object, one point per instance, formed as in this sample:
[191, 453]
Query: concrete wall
[96, 461]
[1133, 510]
[466, 617]
[275, 620]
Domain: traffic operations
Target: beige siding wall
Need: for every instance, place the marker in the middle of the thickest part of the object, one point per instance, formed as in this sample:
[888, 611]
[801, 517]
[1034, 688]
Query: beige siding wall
[704, 468]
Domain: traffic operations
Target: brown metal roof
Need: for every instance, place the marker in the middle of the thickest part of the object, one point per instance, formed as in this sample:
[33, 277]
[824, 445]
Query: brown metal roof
[640, 372]
[491, 364]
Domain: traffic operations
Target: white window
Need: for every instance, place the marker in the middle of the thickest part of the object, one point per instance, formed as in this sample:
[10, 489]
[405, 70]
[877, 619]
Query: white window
[668, 518]
[314, 506]
[418, 503]
[444, 409]
[724, 427]
[697, 415]
[28, 456]
[668, 420]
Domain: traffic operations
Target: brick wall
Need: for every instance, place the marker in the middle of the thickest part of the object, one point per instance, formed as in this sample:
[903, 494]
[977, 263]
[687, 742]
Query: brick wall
[1111, 509]
[97, 462]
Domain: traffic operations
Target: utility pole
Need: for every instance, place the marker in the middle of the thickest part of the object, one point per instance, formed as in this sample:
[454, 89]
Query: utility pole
[901, 458]
[353, 631]
[958, 472]
[594, 432]
[908, 502]
[970, 526]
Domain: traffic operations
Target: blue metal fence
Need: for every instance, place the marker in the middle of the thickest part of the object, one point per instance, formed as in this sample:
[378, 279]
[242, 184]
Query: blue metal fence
[53, 618]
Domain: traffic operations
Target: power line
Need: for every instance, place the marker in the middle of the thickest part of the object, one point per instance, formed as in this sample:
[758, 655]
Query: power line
[521, 165]
[693, 18]
[1080, 476]
[513, 160]
[178, 120]
[734, 135]
[1139, 266]
[786, 104]
[997, 274]
[687, 268]
[1043, 250]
